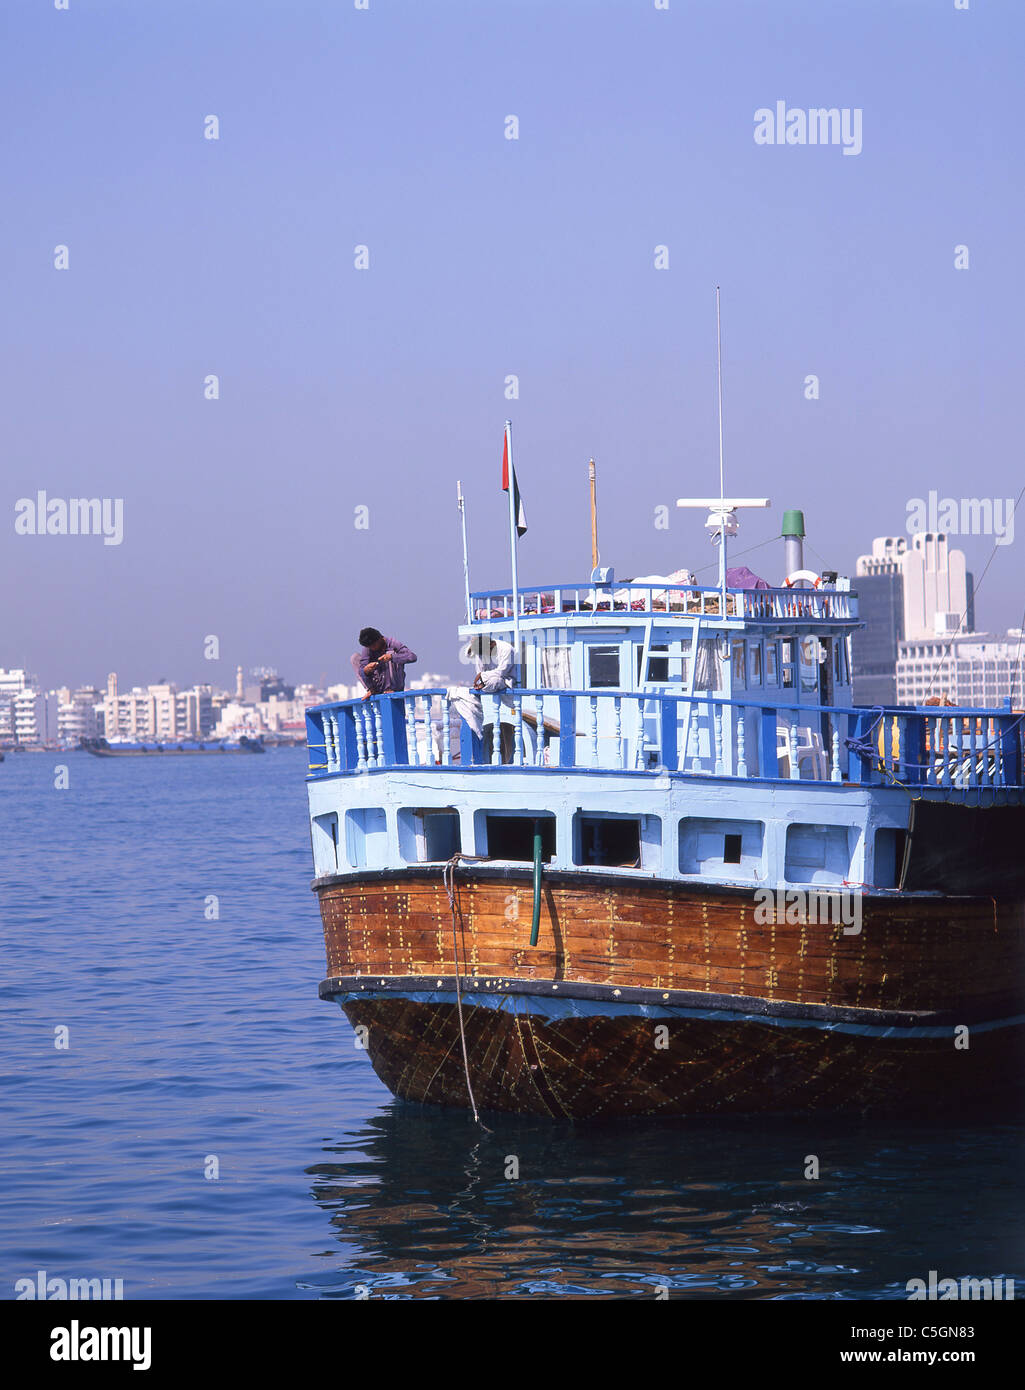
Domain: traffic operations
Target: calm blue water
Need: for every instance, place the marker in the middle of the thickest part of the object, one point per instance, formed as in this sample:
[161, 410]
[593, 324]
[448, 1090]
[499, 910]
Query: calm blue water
[191, 1037]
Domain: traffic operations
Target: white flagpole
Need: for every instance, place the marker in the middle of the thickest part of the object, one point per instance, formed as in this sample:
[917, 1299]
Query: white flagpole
[722, 466]
[466, 562]
[512, 542]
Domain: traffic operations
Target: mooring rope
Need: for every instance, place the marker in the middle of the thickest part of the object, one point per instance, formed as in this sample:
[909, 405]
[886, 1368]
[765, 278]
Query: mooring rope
[449, 879]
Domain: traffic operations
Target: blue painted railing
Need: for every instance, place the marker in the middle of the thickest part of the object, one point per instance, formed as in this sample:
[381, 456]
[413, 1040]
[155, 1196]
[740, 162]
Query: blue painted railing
[617, 731]
[753, 605]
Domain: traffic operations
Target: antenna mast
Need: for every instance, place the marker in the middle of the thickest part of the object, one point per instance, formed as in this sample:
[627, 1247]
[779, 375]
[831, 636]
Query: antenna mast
[722, 466]
[721, 520]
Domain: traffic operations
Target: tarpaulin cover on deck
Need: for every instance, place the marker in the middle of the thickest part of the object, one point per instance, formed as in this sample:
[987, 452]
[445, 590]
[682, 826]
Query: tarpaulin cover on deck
[743, 578]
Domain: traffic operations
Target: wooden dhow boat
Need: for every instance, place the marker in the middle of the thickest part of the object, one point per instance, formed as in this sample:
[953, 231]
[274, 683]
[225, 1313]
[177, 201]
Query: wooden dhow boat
[703, 881]
[682, 873]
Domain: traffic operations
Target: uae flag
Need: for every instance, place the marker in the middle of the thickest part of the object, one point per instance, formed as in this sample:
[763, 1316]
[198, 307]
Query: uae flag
[509, 472]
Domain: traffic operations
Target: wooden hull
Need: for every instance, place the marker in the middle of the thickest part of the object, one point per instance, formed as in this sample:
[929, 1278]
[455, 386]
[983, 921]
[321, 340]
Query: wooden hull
[654, 998]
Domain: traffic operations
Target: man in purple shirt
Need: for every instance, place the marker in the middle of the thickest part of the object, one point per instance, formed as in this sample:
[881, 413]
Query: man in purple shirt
[381, 662]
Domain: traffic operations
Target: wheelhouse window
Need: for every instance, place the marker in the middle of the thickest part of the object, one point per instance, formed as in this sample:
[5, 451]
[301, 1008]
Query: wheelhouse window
[667, 662]
[602, 667]
[739, 671]
[771, 664]
[787, 662]
[756, 664]
[708, 669]
[811, 653]
[658, 663]
[556, 670]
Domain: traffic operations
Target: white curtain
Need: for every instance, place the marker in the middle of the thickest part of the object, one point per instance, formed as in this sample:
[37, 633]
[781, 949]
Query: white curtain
[555, 668]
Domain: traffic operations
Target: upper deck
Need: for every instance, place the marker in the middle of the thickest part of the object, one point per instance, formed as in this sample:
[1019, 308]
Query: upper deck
[835, 609]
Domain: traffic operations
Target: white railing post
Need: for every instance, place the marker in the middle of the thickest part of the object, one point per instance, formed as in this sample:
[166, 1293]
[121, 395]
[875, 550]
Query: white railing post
[361, 743]
[378, 735]
[409, 706]
[446, 730]
[496, 729]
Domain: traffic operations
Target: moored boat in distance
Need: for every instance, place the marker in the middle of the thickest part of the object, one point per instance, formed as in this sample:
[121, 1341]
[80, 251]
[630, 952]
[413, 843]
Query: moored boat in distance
[114, 748]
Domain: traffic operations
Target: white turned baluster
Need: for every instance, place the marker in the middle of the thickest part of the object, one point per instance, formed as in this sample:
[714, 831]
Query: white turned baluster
[539, 738]
[378, 735]
[593, 702]
[741, 745]
[361, 744]
[413, 755]
[446, 730]
[987, 734]
[518, 725]
[718, 740]
[955, 755]
[795, 770]
[496, 728]
[618, 718]
[639, 748]
[335, 756]
[834, 775]
[428, 730]
[328, 752]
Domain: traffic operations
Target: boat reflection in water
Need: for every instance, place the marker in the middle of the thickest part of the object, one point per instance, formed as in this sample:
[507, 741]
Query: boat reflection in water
[422, 1208]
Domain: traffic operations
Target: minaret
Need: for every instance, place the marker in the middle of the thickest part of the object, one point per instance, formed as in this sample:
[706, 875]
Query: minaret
[239, 689]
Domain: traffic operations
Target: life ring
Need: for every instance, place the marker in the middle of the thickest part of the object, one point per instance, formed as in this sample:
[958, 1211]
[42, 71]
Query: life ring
[812, 578]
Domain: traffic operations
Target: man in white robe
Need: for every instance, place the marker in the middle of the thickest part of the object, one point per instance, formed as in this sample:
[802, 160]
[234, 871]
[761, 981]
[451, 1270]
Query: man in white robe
[495, 676]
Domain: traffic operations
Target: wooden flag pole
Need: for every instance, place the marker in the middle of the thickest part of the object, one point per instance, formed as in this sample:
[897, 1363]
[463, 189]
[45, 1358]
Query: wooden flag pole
[594, 518]
[466, 562]
[512, 540]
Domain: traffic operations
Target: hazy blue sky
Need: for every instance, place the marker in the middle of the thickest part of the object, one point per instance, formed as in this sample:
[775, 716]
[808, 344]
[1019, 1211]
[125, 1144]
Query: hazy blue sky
[343, 388]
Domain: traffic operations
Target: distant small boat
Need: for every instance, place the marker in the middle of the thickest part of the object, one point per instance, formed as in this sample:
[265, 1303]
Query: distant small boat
[101, 748]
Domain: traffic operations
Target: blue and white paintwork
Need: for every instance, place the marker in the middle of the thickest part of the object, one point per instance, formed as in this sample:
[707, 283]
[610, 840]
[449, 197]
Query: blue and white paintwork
[658, 707]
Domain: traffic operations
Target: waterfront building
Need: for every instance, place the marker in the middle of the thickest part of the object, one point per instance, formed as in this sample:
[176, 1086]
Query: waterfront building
[35, 717]
[160, 711]
[970, 669]
[78, 715]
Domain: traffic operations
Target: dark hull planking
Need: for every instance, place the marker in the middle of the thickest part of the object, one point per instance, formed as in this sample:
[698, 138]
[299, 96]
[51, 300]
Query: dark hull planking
[755, 1017]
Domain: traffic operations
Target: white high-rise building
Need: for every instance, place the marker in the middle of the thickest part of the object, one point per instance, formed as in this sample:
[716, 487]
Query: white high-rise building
[35, 717]
[77, 715]
[937, 591]
[974, 668]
